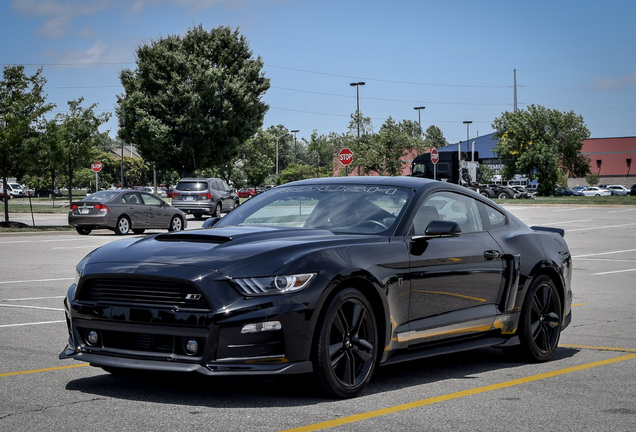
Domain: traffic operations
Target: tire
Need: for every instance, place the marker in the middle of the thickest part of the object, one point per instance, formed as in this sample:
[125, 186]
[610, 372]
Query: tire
[197, 215]
[176, 224]
[138, 230]
[502, 195]
[540, 321]
[217, 210]
[345, 347]
[236, 204]
[122, 227]
[83, 231]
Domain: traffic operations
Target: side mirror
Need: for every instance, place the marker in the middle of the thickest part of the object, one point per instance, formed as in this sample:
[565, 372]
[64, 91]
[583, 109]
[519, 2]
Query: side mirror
[210, 222]
[440, 228]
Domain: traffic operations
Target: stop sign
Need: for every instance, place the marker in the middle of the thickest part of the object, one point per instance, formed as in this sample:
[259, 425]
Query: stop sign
[345, 156]
[434, 155]
[96, 166]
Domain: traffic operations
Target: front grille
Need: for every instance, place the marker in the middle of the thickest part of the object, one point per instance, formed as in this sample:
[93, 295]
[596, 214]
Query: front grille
[142, 292]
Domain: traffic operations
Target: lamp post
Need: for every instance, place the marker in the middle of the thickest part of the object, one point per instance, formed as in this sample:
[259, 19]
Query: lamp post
[295, 131]
[419, 118]
[459, 150]
[357, 86]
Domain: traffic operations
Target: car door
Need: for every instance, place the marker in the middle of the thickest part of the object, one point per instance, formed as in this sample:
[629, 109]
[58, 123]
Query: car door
[157, 212]
[226, 195]
[135, 209]
[455, 280]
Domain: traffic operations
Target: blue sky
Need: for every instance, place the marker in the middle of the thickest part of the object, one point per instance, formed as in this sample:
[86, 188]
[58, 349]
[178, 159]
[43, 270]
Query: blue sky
[456, 58]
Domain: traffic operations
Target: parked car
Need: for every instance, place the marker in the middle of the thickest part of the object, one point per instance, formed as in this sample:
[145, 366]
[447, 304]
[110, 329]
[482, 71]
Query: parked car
[161, 192]
[595, 191]
[47, 192]
[204, 196]
[560, 191]
[632, 191]
[619, 190]
[522, 192]
[329, 276]
[246, 193]
[124, 210]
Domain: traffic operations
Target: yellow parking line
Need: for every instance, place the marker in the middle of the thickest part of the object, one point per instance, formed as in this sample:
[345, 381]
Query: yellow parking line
[598, 348]
[6, 374]
[450, 396]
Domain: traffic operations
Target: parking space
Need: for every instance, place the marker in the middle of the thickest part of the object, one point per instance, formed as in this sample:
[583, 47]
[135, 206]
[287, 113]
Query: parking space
[590, 385]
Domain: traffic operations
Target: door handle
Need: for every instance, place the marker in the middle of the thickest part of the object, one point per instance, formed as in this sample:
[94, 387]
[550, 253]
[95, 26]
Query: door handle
[491, 254]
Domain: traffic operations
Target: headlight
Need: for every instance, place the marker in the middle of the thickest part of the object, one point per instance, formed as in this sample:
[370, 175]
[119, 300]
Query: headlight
[273, 284]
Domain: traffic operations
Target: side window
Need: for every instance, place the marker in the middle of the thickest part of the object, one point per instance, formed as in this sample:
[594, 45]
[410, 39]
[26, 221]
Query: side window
[130, 198]
[492, 218]
[215, 184]
[448, 206]
[151, 200]
[224, 187]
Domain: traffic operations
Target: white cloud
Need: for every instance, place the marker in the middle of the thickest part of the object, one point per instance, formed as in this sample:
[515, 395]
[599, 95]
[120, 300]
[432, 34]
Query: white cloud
[98, 53]
[58, 14]
[613, 83]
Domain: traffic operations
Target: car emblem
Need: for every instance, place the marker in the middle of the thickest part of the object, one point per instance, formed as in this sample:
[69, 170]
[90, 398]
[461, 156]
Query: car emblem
[193, 296]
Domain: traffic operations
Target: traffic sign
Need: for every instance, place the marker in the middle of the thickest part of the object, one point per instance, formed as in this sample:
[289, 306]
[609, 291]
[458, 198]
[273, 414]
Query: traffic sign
[345, 156]
[434, 155]
[96, 166]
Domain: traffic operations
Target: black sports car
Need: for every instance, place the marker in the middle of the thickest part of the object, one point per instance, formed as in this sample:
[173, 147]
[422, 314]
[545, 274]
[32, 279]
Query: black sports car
[330, 276]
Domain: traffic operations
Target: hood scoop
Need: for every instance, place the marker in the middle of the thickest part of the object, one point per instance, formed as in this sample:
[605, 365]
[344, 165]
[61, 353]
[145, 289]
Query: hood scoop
[193, 238]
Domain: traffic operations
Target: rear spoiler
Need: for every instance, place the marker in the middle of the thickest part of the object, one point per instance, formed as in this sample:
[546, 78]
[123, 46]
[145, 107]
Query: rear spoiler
[558, 231]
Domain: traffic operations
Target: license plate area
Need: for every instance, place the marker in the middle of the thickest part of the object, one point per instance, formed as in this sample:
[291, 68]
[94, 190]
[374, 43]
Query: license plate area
[85, 210]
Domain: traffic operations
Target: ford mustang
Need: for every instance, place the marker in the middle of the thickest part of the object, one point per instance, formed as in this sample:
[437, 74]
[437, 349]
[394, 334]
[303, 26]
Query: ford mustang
[331, 277]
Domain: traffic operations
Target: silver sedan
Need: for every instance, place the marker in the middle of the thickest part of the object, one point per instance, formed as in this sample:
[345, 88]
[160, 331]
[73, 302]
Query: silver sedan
[123, 211]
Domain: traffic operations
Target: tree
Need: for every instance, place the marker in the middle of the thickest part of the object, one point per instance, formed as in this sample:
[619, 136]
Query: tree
[540, 143]
[80, 138]
[433, 137]
[384, 152]
[22, 103]
[193, 99]
[47, 154]
[257, 158]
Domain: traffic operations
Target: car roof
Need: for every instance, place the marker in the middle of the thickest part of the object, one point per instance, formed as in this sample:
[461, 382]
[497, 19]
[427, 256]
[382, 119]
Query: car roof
[399, 181]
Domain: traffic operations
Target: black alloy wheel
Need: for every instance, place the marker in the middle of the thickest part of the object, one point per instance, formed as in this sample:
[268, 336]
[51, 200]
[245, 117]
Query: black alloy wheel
[345, 345]
[540, 322]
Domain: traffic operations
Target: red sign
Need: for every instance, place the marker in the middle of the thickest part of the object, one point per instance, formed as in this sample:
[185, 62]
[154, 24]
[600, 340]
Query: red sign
[345, 156]
[96, 166]
[434, 156]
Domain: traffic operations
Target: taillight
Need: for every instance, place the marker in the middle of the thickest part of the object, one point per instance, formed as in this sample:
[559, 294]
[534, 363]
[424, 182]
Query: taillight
[206, 195]
[73, 207]
[100, 207]
[176, 195]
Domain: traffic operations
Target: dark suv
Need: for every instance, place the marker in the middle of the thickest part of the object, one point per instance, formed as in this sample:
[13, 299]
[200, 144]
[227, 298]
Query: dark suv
[204, 196]
[632, 191]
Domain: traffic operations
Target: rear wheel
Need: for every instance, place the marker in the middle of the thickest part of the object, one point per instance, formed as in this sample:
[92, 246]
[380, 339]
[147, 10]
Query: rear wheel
[217, 210]
[122, 227]
[540, 322]
[176, 224]
[345, 346]
[138, 230]
[197, 214]
[83, 231]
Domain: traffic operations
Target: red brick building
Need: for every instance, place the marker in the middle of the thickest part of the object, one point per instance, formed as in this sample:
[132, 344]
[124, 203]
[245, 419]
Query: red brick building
[611, 159]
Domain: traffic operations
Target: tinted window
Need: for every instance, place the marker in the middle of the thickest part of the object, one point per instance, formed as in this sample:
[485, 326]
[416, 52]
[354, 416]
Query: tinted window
[448, 206]
[492, 218]
[130, 198]
[192, 186]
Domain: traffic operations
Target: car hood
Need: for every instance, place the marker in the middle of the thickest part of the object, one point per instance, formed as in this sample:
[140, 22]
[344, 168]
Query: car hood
[238, 251]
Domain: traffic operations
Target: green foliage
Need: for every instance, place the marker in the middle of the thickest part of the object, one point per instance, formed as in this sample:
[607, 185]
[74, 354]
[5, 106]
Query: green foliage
[80, 137]
[193, 99]
[295, 172]
[540, 143]
[592, 179]
[433, 137]
[22, 106]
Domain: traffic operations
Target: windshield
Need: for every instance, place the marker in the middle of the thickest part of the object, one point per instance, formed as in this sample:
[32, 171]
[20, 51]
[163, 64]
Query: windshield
[342, 209]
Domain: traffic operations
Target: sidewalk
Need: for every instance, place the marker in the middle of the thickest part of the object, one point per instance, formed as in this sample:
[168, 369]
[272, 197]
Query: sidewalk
[41, 219]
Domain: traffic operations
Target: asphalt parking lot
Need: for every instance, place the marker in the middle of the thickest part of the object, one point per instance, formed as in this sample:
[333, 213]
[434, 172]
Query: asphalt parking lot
[589, 386]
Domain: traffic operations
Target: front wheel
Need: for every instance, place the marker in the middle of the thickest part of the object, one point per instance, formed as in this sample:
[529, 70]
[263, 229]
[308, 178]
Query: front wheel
[122, 227]
[345, 345]
[217, 210]
[176, 224]
[540, 321]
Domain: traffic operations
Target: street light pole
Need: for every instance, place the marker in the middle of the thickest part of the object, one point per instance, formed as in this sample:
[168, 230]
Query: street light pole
[467, 123]
[419, 118]
[357, 86]
[295, 131]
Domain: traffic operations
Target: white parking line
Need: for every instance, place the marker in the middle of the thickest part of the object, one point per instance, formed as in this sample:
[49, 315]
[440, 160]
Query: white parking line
[622, 211]
[30, 307]
[31, 298]
[615, 271]
[604, 253]
[32, 323]
[35, 280]
[600, 227]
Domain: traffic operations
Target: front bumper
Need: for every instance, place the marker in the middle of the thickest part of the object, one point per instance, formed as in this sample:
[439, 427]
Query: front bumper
[154, 338]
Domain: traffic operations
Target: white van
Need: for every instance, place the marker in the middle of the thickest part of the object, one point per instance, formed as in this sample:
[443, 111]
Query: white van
[14, 189]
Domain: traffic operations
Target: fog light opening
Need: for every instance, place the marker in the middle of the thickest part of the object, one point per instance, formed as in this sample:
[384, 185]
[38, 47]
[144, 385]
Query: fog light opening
[92, 337]
[261, 327]
[191, 347]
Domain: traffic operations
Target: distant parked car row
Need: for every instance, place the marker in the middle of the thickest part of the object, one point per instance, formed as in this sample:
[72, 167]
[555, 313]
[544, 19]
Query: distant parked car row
[601, 190]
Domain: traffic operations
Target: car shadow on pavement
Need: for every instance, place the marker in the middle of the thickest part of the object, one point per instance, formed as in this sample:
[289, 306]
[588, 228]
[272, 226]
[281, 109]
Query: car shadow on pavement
[235, 392]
